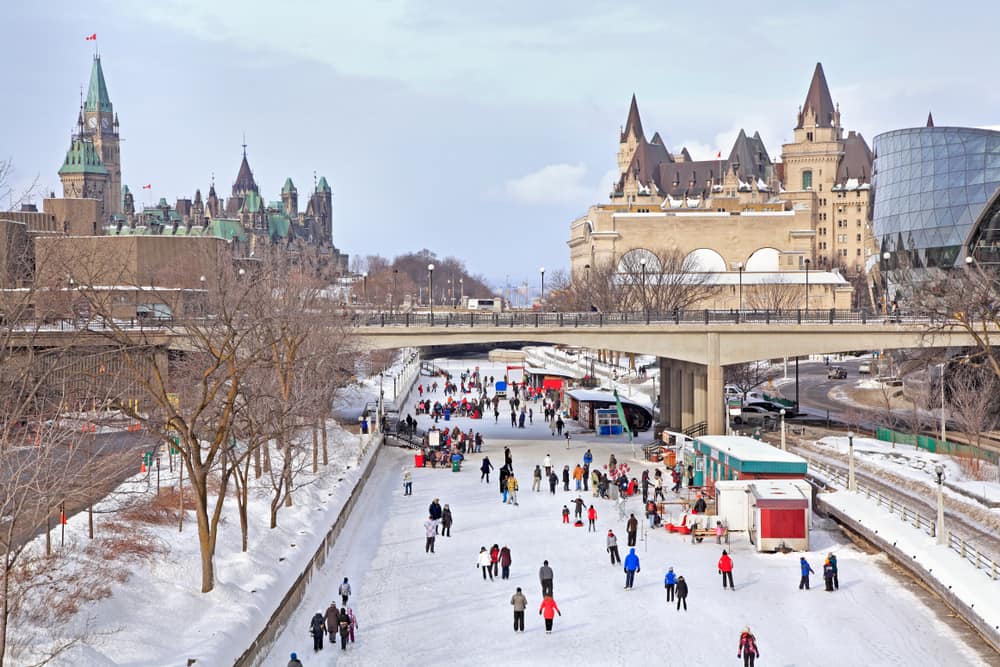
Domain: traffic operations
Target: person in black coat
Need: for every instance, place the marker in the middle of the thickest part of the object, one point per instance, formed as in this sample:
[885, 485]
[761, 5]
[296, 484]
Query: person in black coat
[553, 482]
[631, 528]
[682, 593]
[344, 623]
[565, 478]
[317, 627]
[435, 513]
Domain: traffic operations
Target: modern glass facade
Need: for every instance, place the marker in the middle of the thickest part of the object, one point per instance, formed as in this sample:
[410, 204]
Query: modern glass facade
[930, 186]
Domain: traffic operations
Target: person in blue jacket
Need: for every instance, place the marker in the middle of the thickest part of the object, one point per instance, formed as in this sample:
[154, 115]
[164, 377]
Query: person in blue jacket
[669, 582]
[806, 571]
[588, 458]
[631, 567]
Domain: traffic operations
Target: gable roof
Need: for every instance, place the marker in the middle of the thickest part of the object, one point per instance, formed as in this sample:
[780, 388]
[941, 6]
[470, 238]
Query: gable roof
[818, 100]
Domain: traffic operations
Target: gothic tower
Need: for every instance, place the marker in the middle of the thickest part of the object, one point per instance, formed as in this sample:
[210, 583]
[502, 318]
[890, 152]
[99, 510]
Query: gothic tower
[320, 211]
[100, 127]
[84, 176]
[290, 198]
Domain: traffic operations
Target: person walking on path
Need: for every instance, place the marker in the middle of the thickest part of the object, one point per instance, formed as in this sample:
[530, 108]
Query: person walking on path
[682, 593]
[435, 511]
[407, 482]
[520, 604]
[726, 570]
[669, 583]
[545, 577]
[833, 565]
[595, 483]
[430, 526]
[344, 623]
[344, 591]
[560, 424]
[504, 474]
[588, 458]
[552, 426]
[747, 648]
[331, 617]
[613, 548]
[658, 487]
[508, 460]
[565, 476]
[553, 482]
[354, 622]
[578, 476]
[547, 463]
[578, 509]
[806, 571]
[645, 487]
[446, 520]
[548, 611]
[317, 627]
[591, 520]
[565, 514]
[485, 470]
[495, 559]
[505, 562]
[512, 489]
[294, 660]
[828, 575]
[483, 563]
[536, 479]
[632, 527]
[631, 567]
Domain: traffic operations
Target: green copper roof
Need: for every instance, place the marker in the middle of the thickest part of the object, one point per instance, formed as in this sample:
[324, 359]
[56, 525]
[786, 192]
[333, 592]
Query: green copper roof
[82, 158]
[252, 203]
[288, 186]
[278, 225]
[322, 186]
[97, 93]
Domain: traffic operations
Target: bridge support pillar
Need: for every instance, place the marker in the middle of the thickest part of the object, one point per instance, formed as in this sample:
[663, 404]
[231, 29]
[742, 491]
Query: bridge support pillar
[675, 393]
[714, 390]
[687, 397]
[700, 389]
[667, 393]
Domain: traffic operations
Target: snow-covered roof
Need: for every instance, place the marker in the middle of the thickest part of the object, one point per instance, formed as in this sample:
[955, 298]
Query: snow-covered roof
[594, 395]
[747, 449]
[778, 489]
[534, 370]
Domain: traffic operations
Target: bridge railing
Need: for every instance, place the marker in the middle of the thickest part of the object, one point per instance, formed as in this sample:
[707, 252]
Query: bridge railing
[524, 319]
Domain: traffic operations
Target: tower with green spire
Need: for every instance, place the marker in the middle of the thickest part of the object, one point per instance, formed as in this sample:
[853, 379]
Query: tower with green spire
[100, 127]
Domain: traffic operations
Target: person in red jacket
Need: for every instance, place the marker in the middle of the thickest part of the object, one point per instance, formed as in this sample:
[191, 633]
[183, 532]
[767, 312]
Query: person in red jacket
[726, 570]
[591, 519]
[747, 648]
[548, 611]
[494, 560]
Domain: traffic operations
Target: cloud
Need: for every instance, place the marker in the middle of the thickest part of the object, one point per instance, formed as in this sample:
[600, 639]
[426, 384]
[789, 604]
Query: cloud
[558, 184]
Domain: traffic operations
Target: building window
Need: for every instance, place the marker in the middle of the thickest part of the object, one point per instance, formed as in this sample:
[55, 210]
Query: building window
[807, 176]
[809, 136]
[859, 238]
[858, 252]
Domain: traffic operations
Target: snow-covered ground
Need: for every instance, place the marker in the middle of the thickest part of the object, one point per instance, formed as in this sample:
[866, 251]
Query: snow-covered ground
[415, 608]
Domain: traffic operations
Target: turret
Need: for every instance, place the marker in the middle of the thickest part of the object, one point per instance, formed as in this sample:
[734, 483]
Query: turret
[290, 198]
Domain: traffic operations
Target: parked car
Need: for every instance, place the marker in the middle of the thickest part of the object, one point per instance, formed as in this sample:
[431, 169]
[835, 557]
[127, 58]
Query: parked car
[770, 406]
[836, 373]
[754, 415]
[865, 368]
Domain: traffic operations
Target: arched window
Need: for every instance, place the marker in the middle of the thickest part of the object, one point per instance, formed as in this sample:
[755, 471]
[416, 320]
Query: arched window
[631, 261]
[764, 259]
[705, 260]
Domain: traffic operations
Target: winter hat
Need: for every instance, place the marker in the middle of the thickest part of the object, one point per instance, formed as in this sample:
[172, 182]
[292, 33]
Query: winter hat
[746, 629]
[671, 569]
[345, 580]
[294, 656]
[725, 553]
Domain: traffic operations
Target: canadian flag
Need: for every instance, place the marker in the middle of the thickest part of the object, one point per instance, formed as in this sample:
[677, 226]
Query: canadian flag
[147, 186]
[92, 37]
[718, 156]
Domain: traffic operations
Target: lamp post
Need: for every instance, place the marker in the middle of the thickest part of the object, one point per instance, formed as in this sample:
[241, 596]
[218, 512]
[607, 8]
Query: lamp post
[364, 286]
[645, 302]
[586, 285]
[204, 298]
[885, 282]
[939, 532]
[807, 285]
[392, 296]
[461, 290]
[451, 298]
[783, 447]
[739, 267]
[851, 482]
[542, 300]
[430, 288]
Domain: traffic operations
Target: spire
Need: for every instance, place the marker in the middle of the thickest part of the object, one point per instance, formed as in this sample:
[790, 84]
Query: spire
[930, 119]
[244, 177]
[633, 125]
[97, 93]
[288, 186]
[818, 100]
[322, 186]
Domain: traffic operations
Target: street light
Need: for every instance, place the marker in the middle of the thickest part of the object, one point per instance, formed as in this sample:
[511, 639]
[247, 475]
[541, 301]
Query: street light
[430, 288]
[739, 267]
[939, 531]
[851, 482]
[392, 296]
[807, 285]
[364, 286]
[783, 447]
[542, 300]
[586, 286]
[461, 290]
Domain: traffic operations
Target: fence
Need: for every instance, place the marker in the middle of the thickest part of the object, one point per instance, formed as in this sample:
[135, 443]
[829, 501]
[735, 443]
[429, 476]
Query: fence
[936, 446]
[959, 545]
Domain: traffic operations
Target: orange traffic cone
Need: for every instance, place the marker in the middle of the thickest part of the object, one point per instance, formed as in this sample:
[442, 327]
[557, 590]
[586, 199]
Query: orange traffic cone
[143, 468]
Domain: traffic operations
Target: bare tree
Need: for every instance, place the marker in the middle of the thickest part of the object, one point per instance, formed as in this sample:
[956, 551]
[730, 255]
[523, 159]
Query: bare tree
[973, 393]
[14, 195]
[774, 297]
[746, 377]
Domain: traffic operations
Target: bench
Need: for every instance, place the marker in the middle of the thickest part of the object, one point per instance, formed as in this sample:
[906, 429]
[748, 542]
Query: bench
[699, 534]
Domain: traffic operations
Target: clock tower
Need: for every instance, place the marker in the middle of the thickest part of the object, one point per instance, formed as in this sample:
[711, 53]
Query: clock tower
[100, 128]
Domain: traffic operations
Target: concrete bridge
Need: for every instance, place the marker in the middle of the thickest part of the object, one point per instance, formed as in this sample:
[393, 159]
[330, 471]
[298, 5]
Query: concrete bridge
[692, 348]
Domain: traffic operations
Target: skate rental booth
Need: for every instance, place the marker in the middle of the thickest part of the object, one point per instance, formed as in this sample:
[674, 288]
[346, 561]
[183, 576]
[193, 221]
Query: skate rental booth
[775, 513]
[725, 457]
[550, 379]
[584, 404]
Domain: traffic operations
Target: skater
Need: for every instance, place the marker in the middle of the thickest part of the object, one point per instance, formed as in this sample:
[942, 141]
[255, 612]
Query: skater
[591, 520]
[344, 623]
[430, 526]
[548, 611]
[520, 418]
[536, 479]
[354, 622]
[505, 562]
[407, 482]
[513, 417]
[682, 593]
[552, 426]
[632, 527]
[332, 617]
[828, 575]
[317, 627]
[669, 583]
[560, 424]
[483, 563]
[833, 565]
[588, 458]
[494, 560]
[578, 510]
[748, 647]
[658, 487]
[345, 592]
[504, 473]
[445, 524]
[553, 482]
[806, 571]
[565, 477]
[676, 477]
[565, 514]
[435, 512]
[645, 487]
[578, 476]
[631, 567]
[547, 463]
[719, 531]
[294, 661]
[726, 570]
[520, 604]
[512, 489]
[507, 459]
[545, 576]
[485, 469]
[613, 548]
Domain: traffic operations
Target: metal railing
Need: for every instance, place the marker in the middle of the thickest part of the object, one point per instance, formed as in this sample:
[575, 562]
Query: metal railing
[523, 319]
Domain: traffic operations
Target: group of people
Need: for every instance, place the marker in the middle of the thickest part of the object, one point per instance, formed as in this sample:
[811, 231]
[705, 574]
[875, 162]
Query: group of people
[439, 520]
[489, 561]
[331, 623]
[831, 578]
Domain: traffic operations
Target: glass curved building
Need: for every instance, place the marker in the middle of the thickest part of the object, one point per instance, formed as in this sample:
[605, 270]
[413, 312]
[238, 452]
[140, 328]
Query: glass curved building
[931, 185]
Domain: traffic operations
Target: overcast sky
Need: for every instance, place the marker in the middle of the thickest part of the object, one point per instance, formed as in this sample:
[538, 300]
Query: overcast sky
[478, 130]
